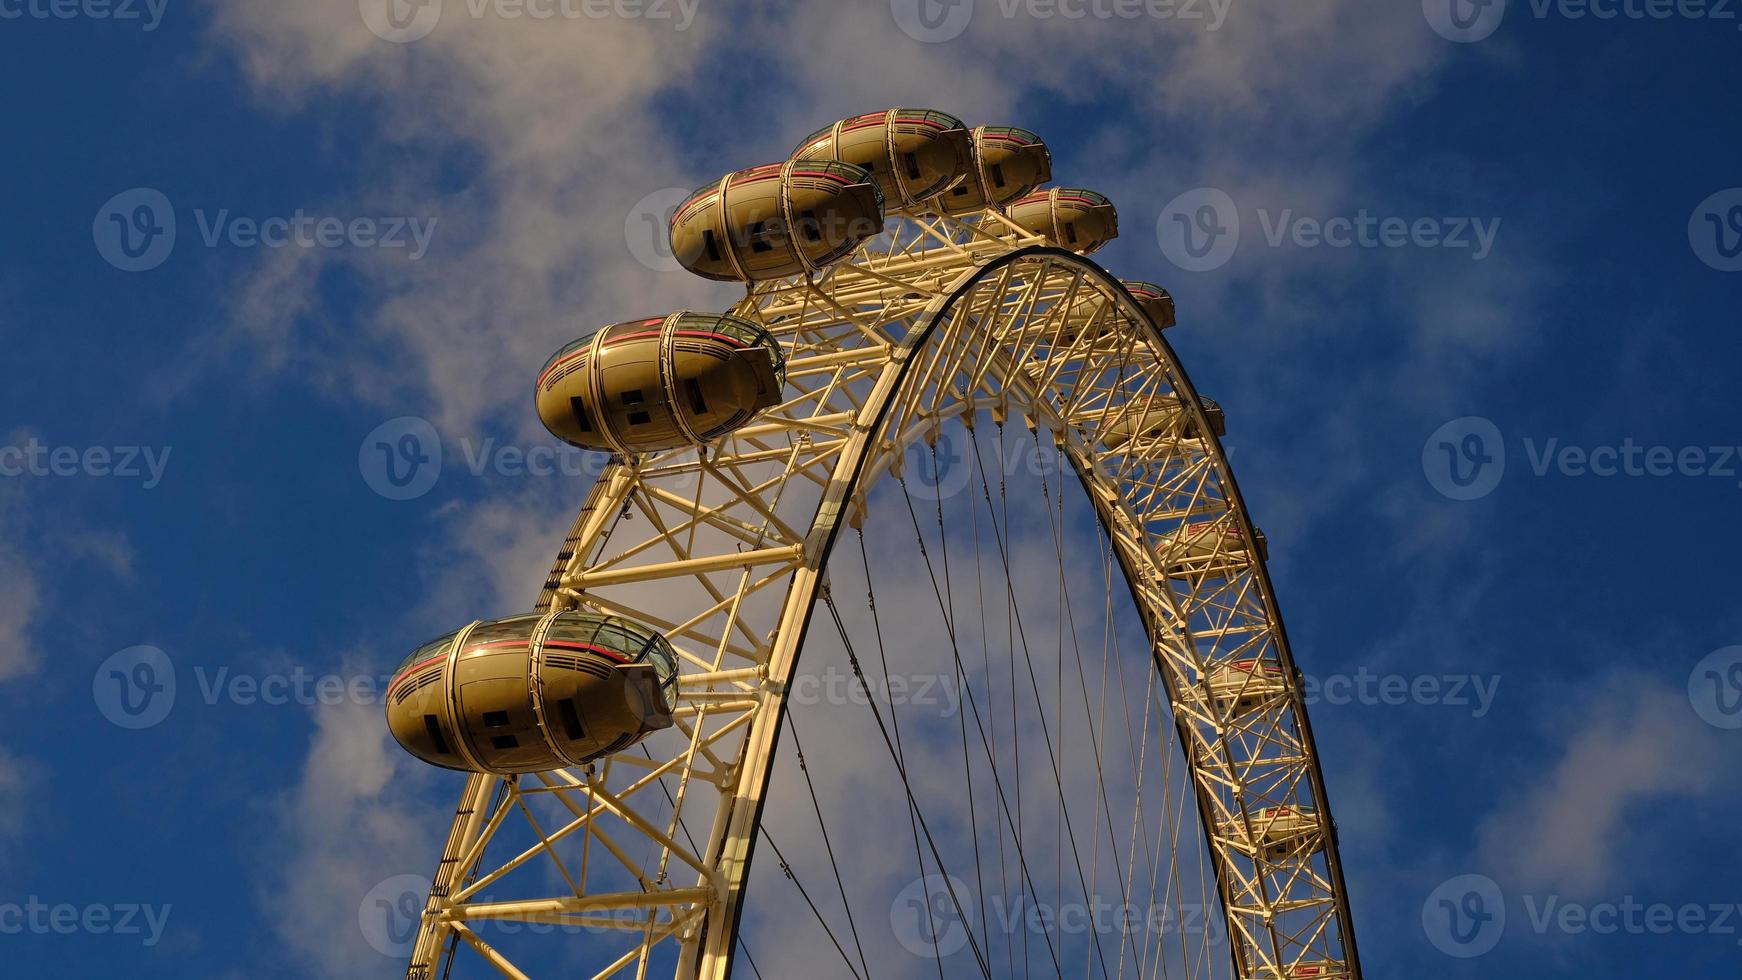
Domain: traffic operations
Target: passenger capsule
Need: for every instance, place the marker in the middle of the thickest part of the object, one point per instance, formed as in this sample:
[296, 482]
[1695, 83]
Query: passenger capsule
[1005, 163]
[777, 220]
[1279, 833]
[1308, 970]
[1156, 301]
[1102, 318]
[914, 154]
[1164, 417]
[532, 693]
[1208, 548]
[648, 385]
[1071, 217]
[1242, 687]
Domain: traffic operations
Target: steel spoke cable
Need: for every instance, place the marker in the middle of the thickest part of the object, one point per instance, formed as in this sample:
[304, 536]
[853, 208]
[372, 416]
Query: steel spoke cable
[894, 718]
[786, 869]
[1034, 683]
[907, 785]
[1089, 714]
[961, 685]
[828, 844]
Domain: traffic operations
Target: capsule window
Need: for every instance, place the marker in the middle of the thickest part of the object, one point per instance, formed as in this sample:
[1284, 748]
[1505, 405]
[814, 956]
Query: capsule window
[761, 234]
[998, 175]
[633, 397]
[495, 719]
[912, 161]
[1071, 233]
[698, 404]
[811, 227]
[712, 244]
[579, 408]
[571, 719]
[639, 418]
[505, 742]
[433, 726]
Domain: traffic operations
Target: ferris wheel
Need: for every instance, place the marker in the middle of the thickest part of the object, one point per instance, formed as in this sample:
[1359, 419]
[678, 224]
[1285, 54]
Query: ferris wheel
[933, 448]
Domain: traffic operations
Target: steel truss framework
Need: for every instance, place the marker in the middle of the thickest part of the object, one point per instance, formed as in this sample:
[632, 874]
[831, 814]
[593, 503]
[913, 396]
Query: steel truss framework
[726, 551]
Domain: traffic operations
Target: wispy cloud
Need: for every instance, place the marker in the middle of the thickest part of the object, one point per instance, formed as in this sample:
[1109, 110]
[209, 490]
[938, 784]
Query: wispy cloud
[1631, 747]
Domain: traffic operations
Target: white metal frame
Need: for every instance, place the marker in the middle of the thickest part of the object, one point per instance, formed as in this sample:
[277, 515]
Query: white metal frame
[726, 551]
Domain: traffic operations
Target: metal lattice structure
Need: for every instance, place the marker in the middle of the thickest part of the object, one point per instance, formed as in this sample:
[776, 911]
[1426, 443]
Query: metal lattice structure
[726, 550]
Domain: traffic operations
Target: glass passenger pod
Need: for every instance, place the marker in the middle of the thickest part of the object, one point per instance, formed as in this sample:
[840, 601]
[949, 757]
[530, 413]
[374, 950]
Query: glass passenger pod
[912, 154]
[776, 220]
[532, 693]
[1242, 686]
[1308, 970]
[1164, 418]
[1156, 301]
[687, 379]
[1279, 833]
[1072, 218]
[1206, 548]
[1006, 164]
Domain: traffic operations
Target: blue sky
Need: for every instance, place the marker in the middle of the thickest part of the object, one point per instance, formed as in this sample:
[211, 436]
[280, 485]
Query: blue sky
[489, 183]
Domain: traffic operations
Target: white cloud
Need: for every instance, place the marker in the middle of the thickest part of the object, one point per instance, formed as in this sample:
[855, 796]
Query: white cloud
[1631, 747]
[353, 821]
